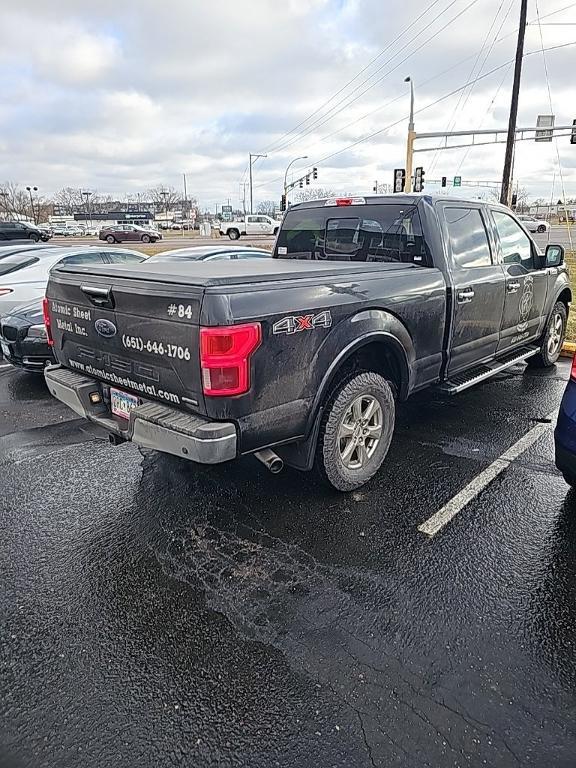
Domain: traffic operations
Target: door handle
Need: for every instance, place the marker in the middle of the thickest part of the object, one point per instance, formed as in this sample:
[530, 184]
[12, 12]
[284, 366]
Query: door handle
[100, 297]
[465, 296]
[512, 287]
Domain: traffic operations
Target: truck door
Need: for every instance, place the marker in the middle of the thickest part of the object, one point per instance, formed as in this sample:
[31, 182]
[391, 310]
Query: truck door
[526, 283]
[477, 291]
[253, 225]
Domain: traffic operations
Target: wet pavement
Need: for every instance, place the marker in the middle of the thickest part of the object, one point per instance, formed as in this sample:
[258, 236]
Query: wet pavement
[154, 613]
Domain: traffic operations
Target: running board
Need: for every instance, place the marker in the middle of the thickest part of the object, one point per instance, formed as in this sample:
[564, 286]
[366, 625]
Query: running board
[480, 372]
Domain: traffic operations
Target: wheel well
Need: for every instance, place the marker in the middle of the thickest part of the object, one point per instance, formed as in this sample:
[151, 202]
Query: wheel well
[565, 297]
[379, 357]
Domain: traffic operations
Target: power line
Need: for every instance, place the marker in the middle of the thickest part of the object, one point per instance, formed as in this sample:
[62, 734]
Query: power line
[358, 74]
[347, 100]
[422, 109]
[552, 112]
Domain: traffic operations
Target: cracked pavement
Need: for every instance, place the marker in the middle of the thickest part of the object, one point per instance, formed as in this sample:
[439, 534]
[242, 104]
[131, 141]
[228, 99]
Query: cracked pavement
[156, 613]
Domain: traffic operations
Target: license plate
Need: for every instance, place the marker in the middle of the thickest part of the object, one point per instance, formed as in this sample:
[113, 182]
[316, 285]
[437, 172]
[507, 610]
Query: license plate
[5, 349]
[122, 403]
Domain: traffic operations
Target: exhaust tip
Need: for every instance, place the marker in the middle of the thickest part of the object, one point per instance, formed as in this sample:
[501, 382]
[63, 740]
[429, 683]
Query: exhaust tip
[276, 465]
[271, 460]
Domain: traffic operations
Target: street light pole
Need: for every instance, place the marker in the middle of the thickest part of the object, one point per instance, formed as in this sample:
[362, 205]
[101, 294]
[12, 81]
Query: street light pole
[304, 157]
[410, 138]
[506, 190]
[255, 156]
[87, 195]
[32, 202]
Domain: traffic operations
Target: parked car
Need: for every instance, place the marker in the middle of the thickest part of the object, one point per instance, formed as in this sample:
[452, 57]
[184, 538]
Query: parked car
[47, 229]
[9, 247]
[23, 275]
[565, 432]
[534, 225]
[212, 253]
[120, 233]
[68, 230]
[304, 358]
[249, 225]
[21, 230]
[23, 337]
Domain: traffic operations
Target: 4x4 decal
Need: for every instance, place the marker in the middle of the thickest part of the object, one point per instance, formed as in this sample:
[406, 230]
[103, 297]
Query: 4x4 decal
[296, 323]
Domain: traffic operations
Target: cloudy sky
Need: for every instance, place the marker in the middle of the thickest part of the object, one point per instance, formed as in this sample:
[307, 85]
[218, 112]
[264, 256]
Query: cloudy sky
[120, 96]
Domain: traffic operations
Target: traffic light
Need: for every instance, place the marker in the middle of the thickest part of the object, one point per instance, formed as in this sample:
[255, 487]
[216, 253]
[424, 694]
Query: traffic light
[314, 173]
[514, 200]
[444, 181]
[308, 179]
[375, 187]
[419, 179]
[573, 136]
[399, 179]
[283, 203]
[301, 184]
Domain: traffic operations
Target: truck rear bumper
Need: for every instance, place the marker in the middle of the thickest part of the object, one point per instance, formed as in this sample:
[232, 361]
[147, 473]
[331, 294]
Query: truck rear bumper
[151, 424]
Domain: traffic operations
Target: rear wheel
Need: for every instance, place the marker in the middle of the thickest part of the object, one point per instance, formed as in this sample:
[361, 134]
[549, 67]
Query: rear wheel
[356, 431]
[552, 340]
[145, 238]
[233, 234]
[110, 239]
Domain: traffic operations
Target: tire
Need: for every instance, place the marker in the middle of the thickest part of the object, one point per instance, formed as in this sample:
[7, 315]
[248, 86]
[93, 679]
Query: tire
[275, 232]
[569, 479]
[343, 424]
[34, 237]
[110, 239]
[233, 234]
[541, 228]
[553, 338]
[145, 238]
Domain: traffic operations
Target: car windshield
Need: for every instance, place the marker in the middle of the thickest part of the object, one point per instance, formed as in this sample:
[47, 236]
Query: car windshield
[384, 232]
[15, 262]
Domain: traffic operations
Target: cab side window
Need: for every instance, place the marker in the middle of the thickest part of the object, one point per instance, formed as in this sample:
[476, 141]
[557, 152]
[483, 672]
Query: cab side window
[516, 245]
[468, 238]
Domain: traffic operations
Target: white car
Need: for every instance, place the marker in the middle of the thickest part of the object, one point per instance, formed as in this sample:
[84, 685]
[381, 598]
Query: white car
[24, 275]
[534, 225]
[70, 230]
[250, 225]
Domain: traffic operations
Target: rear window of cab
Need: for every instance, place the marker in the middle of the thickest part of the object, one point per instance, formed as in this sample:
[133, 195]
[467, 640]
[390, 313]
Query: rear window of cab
[370, 233]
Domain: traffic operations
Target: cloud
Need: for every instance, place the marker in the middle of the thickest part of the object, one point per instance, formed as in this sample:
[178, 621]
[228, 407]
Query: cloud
[121, 97]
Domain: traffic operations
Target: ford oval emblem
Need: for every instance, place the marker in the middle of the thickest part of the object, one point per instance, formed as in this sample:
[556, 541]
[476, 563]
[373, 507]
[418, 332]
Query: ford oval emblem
[105, 328]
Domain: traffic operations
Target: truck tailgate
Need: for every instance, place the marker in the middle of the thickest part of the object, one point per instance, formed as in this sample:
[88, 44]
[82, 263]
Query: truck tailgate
[139, 336]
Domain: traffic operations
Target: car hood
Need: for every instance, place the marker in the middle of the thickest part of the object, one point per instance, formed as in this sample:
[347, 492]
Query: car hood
[31, 311]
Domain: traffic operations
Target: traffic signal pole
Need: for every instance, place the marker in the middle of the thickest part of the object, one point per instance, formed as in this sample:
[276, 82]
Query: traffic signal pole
[410, 139]
[506, 190]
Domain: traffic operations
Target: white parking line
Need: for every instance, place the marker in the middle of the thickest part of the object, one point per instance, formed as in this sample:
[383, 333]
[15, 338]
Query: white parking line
[477, 485]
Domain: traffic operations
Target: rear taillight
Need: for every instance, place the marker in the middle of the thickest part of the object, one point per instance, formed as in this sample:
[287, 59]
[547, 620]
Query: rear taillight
[225, 358]
[573, 370]
[5, 291]
[47, 322]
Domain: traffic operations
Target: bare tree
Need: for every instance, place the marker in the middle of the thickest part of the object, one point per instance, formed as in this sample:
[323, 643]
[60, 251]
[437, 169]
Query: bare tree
[318, 193]
[267, 207]
[14, 201]
[164, 197]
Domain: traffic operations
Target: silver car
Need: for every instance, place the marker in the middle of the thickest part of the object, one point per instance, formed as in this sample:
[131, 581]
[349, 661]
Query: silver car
[534, 225]
[24, 275]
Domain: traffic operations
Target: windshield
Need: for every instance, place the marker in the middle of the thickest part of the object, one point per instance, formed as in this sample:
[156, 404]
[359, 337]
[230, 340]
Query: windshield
[384, 232]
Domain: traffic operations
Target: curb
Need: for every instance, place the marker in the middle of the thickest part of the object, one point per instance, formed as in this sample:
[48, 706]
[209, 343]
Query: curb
[568, 349]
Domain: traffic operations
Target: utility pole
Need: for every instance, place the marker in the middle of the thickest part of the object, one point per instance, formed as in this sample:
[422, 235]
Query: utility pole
[506, 190]
[410, 139]
[255, 156]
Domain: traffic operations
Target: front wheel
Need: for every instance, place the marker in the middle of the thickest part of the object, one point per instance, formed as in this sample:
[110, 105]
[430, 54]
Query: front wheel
[356, 431]
[541, 228]
[233, 234]
[110, 239]
[145, 238]
[34, 238]
[552, 340]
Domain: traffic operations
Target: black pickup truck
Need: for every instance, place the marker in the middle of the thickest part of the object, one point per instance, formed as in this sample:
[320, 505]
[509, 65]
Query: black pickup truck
[302, 359]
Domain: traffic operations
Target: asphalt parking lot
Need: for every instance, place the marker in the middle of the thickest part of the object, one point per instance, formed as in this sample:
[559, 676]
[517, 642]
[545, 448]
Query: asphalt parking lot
[155, 613]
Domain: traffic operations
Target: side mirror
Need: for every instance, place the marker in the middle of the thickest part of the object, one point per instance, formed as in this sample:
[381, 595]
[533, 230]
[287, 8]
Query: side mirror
[554, 255]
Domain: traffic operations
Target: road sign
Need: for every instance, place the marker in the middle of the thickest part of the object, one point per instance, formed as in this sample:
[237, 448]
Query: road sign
[544, 124]
[226, 209]
[457, 181]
